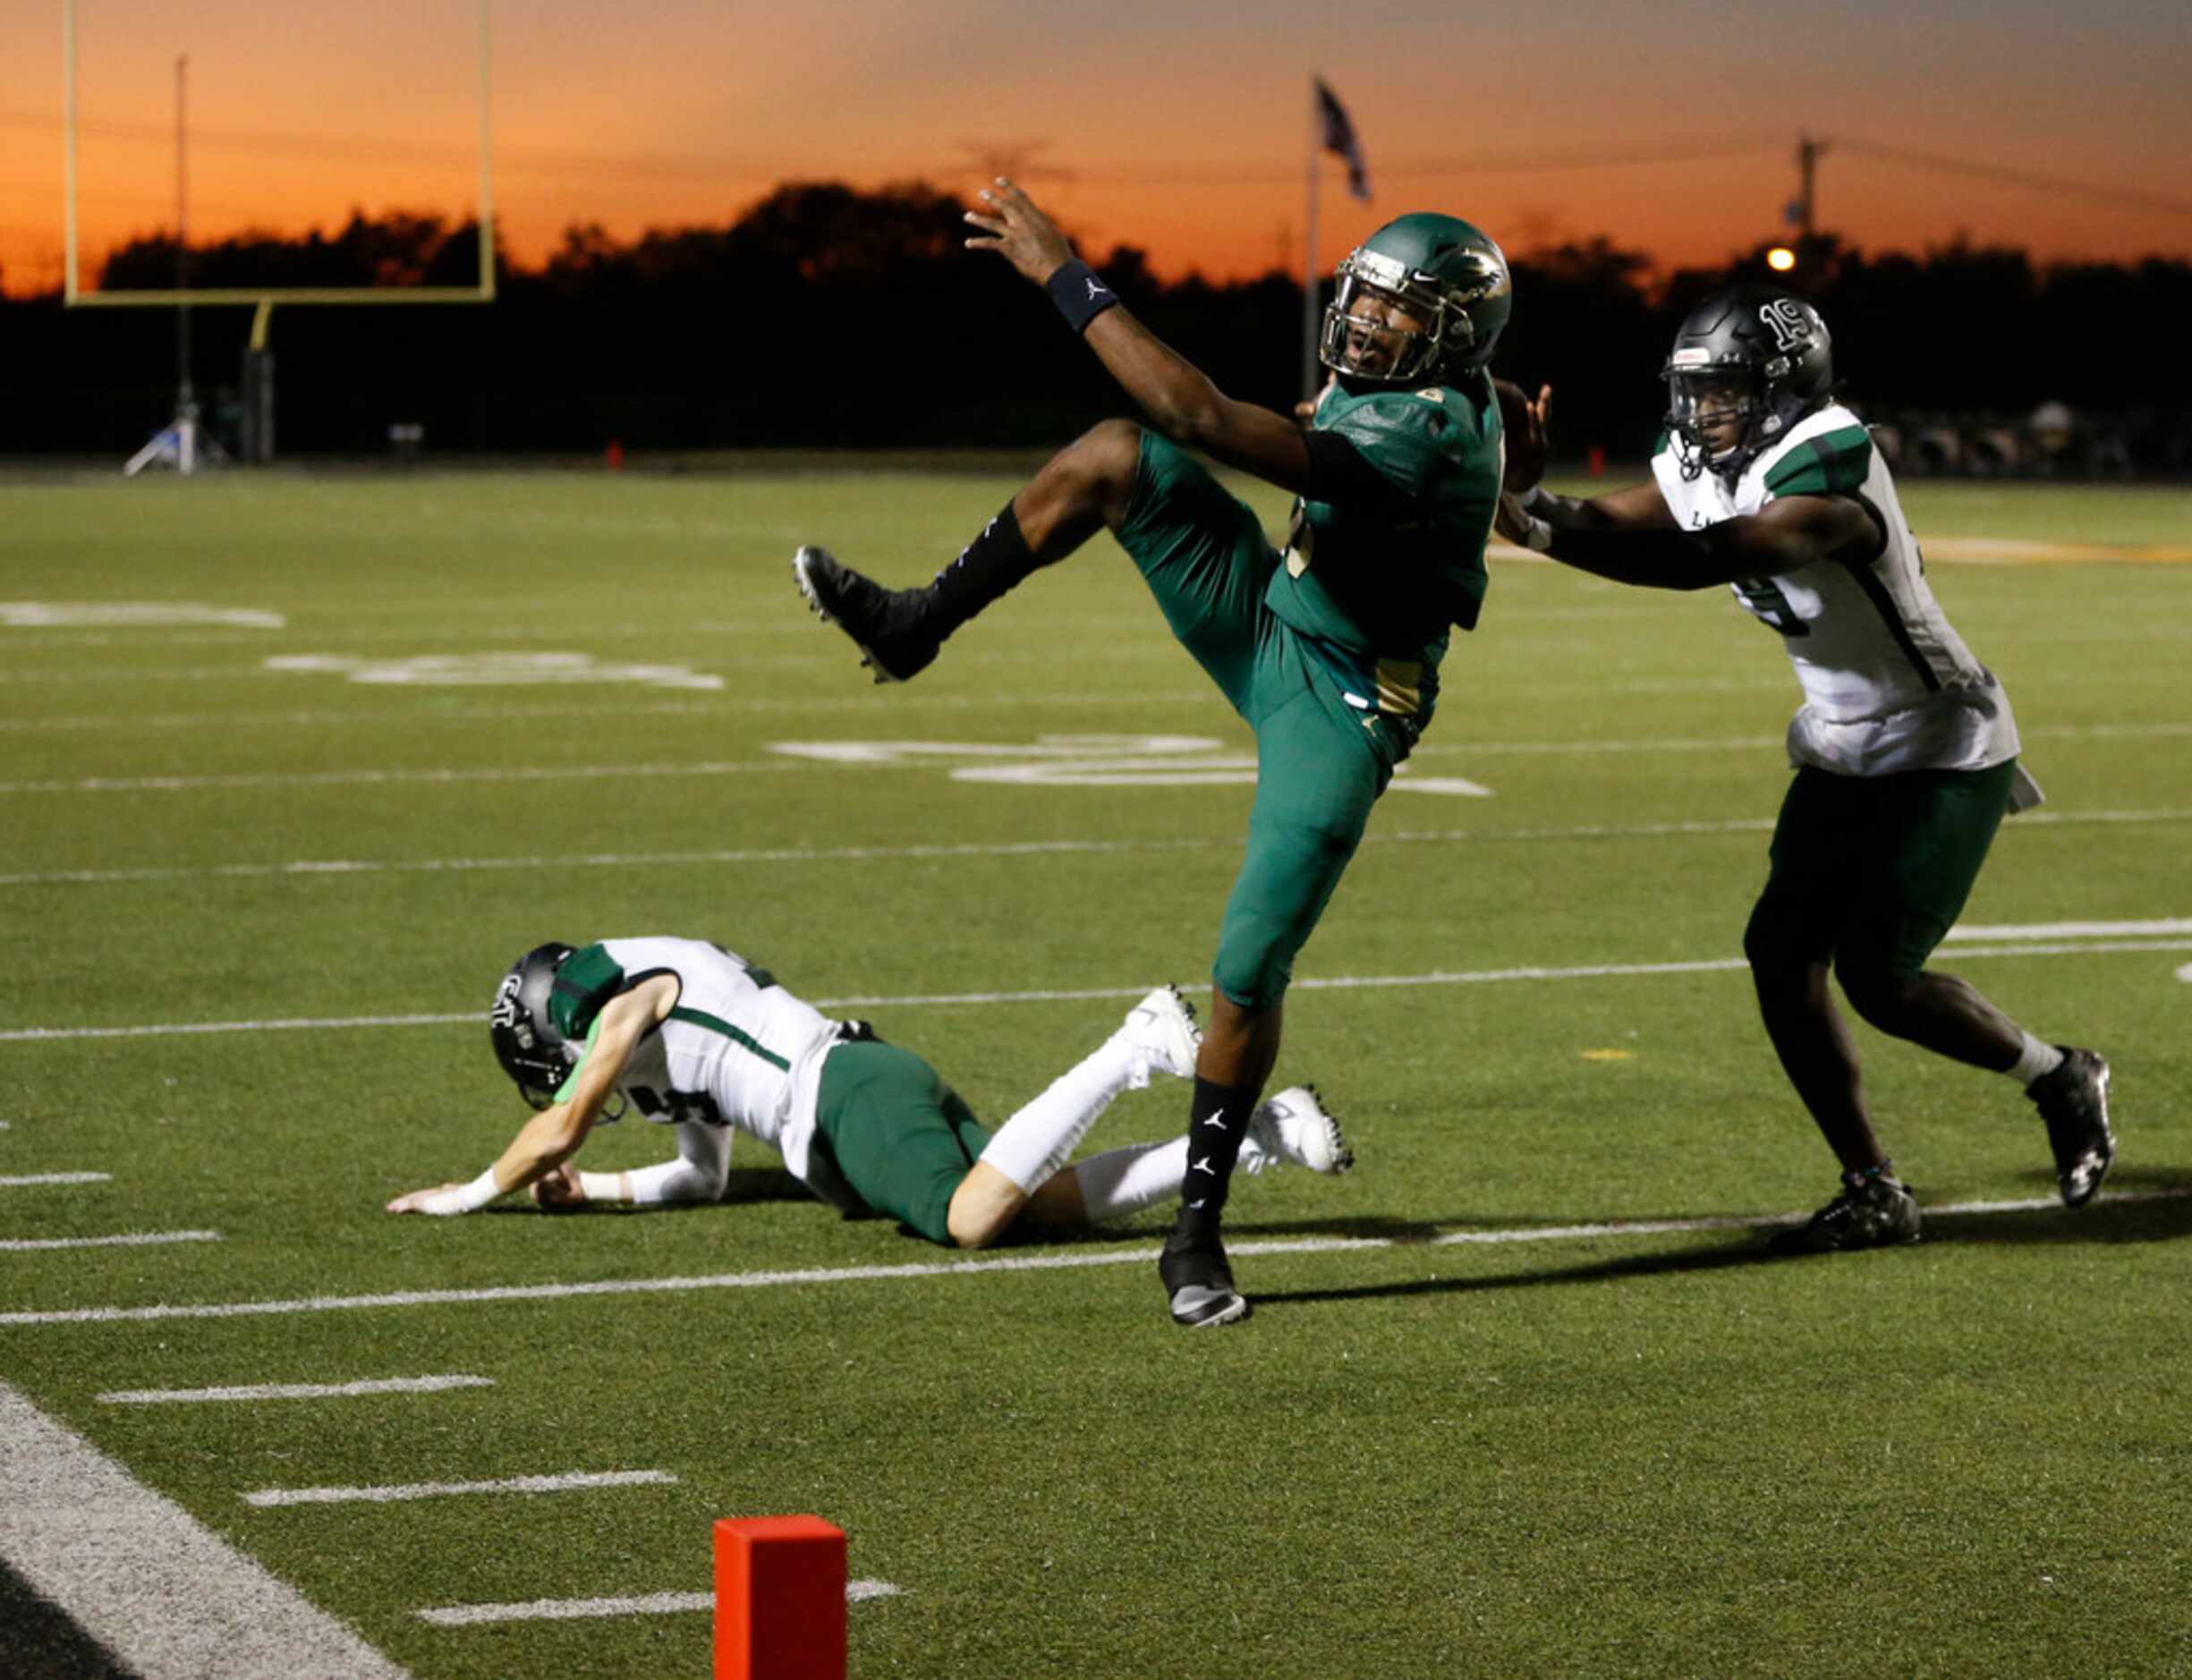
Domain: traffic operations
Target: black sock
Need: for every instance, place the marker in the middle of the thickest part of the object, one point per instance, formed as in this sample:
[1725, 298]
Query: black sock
[1216, 1125]
[992, 563]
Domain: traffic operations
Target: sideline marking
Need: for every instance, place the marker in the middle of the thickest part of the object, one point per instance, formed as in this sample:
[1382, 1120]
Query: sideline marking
[135, 1239]
[144, 1578]
[293, 1390]
[568, 1482]
[1138, 1256]
[648, 1604]
[2014, 946]
[2014, 551]
[21, 1180]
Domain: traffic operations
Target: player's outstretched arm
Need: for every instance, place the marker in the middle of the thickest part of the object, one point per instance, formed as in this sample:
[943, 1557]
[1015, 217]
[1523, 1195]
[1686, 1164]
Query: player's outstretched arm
[1529, 514]
[1179, 399]
[551, 1137]
[1630, 545]
[699, 1174]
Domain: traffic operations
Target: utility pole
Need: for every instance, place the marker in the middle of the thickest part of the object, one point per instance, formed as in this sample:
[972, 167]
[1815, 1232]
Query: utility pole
[186, 400]
[177, 444]
[1805, 211]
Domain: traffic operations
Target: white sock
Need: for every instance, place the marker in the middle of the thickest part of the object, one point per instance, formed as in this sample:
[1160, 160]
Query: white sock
[1036, 1141]
[2037, 1061]
[1124, 1181]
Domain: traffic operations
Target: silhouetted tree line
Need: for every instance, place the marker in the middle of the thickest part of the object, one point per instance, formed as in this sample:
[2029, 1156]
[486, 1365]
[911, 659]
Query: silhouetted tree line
[827, 317]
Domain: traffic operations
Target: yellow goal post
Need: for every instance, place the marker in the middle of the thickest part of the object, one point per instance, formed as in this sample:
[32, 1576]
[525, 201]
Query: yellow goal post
[75, 296]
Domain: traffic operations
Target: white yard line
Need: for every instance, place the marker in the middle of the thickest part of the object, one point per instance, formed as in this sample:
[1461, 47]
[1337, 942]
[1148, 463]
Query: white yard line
[293, 1390]
[376, 778]
[133, 1239]
[170, 1600]
[1136, 1256]
[2009, 941]
[648, 1604]
[571, 1481]
[21, 1181]
[321, 868]
[33, 1035]
[765, 705]
[2069, 930]
[899, 760]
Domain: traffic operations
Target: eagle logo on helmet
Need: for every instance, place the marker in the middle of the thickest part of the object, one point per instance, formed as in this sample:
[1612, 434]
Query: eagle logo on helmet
[1447, 275]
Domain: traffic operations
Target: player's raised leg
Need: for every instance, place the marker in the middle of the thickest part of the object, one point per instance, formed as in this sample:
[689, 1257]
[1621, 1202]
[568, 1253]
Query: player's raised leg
[1080, 491]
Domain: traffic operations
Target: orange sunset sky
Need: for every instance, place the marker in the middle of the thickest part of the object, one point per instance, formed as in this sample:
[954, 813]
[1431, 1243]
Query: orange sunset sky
[1180, 128]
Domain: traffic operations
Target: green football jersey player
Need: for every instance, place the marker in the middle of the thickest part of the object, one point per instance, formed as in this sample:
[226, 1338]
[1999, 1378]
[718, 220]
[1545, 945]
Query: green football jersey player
[1329, 646]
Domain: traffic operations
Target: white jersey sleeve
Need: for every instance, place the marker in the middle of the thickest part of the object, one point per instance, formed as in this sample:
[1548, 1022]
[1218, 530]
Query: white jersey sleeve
[1888, 683]
[736, 1049]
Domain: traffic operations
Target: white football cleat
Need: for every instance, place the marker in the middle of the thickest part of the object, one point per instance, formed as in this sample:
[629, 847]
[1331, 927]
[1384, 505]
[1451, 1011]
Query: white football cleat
[1294, 1126]
[1161, 1028]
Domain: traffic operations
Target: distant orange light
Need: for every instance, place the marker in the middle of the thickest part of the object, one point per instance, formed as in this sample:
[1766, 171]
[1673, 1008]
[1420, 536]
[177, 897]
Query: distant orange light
[1780, 259]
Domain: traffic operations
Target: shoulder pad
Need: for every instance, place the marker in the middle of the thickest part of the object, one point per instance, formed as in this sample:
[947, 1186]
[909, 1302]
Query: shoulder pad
[588, 979]
[1832, 463]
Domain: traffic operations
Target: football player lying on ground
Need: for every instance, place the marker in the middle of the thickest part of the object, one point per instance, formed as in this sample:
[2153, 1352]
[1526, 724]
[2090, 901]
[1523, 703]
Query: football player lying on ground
[1330, 652]
[1905, 750]
[691, 1035]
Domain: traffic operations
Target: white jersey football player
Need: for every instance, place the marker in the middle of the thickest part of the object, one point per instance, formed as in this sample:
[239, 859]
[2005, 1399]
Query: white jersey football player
[690, 1035]
[1904, 749]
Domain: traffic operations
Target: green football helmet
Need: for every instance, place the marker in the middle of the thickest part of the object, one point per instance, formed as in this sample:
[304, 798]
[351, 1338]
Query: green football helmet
[1449, 276]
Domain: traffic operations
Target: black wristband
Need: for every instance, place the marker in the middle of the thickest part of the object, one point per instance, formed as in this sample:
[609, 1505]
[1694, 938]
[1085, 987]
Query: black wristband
[1080, 294]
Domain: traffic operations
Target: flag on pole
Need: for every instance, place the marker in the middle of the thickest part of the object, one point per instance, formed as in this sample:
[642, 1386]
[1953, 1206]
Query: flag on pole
[1340, 139]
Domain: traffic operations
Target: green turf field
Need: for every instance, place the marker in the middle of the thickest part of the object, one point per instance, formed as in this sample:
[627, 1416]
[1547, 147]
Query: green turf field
[1641, 1451]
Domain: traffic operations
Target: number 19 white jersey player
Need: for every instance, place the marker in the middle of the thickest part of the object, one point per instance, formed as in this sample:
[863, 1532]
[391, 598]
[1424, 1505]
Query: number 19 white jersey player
[1904, 749]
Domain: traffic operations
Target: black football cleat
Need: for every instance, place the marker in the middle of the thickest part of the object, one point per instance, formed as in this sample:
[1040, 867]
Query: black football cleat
[890, 627]
[1199, 1282]
[1874, 1210]
[2073, 1101]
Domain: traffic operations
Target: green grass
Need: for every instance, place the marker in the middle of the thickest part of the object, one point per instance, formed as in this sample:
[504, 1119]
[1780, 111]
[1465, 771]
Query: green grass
[1629, 1454]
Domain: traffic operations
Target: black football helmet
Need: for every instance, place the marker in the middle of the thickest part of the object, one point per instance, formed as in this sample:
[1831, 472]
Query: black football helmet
[526, 1042]
[1765, 349]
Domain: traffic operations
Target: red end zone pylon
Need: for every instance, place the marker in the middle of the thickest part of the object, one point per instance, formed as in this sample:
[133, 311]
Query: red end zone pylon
[780, 1598]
